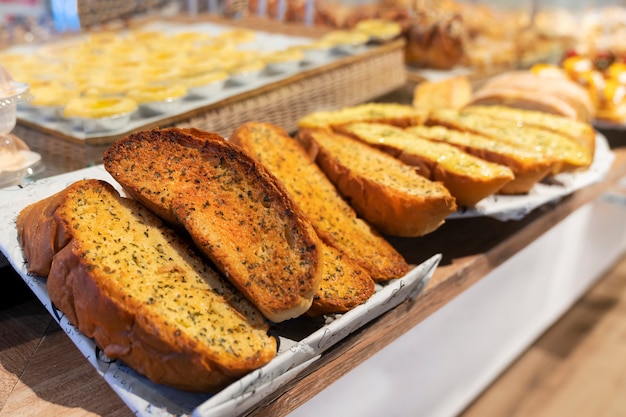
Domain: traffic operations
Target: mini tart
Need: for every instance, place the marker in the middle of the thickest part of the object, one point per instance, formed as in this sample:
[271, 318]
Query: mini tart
[195, 65]
[378, 28]
[156, 74]
[165, 58]
[51, 95]
[113, 86]
[98, 107]
[237, 36]
[157, 92]
[248, 67]
[345, 37]
[287, 55]
[205, 78]
[191, 37]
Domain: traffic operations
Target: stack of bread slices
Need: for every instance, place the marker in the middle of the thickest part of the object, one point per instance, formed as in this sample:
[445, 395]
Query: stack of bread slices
[222, 238]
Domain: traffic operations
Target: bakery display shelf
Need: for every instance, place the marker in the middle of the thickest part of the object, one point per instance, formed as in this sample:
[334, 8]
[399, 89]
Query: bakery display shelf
[471, 249]
[342, 79]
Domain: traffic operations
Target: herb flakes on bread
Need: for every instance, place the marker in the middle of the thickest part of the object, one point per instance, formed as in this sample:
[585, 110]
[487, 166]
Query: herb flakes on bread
[528, 166]
[235, 210]
[568, 154]
[401, 115]
[140, 291]
[333, 218]
[468, 178]
[383, 190]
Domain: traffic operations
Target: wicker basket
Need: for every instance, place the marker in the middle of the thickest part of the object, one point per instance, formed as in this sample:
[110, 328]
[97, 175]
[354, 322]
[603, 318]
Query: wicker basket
[343, 82]
[351, 82]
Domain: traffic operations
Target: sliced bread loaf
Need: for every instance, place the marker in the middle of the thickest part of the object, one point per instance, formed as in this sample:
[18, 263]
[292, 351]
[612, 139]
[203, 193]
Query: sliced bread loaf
[333, 218]
[385, 191]
[569, 155]
[401, 115]
[468, 178]
[235, 210]
[140, 291]
[528, 166]
[580, 132]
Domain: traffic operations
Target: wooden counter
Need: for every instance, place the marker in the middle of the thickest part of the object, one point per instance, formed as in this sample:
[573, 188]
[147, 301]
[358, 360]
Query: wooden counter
[42, 373]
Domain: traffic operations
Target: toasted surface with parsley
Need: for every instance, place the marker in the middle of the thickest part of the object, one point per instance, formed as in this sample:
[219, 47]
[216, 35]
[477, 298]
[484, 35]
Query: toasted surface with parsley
[385, 191]
[344, 285]
[401, 115]
[578, 131]
[468, 178]
[529, 166]
[334, 220]
[238, 214]
[141, 291]
[568, 154]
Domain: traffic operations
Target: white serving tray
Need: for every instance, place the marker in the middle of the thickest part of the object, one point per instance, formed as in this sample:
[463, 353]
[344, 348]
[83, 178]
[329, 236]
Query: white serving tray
[144, 398]
[516, 207]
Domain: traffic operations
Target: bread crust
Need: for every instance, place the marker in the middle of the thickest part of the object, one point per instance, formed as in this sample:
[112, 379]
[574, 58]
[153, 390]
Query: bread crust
[334, 220]
[580, 132]
[401, 115]
[468, 178]
[400, 203]
[528, 167]
[566, 154]
[88, 282]
[344, 285]
[236, 211]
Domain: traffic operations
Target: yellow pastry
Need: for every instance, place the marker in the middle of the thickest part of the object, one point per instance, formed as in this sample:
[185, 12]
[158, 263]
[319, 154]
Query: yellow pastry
[98, 107]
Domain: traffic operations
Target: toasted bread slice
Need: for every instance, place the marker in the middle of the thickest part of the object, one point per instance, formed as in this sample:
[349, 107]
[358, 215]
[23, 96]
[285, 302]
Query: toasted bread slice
[468, 178]
[528, 166]
[401, 115]
[140, 291]
[570, 156]
[235, 210]
[385, 191]
[333, 218]
[580, 132]
[344, 285]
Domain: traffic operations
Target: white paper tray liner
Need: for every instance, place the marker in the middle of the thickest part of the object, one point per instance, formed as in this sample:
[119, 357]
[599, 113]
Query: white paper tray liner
[145, 398]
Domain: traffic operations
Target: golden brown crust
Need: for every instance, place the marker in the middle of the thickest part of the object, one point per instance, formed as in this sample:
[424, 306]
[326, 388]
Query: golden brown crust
[235, 210]
[344, 285]
[117, 277]
[401, 115]
[567, 154]
[468, 178]
[334, 220]
[436, 40]
[580, 132]
[528, 167]
[386, 192]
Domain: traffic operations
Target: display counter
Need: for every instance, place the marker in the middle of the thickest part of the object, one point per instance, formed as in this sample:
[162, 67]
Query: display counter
[499, 286]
